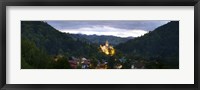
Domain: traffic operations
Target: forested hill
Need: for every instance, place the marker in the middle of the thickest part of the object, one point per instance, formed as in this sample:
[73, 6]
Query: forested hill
[113, 40]
[52, 41]
[162, 43]
[42, 46]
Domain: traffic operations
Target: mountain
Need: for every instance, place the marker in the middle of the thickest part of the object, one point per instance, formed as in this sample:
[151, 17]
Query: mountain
[52, 41]
[161, 44]
[42, 45]
[113, 40]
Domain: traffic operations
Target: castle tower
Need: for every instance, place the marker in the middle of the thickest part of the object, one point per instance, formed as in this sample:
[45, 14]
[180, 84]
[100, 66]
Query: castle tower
[107, 44]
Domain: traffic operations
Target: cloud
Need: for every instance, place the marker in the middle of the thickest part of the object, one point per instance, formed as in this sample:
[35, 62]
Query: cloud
[148, 25]
[106, 30]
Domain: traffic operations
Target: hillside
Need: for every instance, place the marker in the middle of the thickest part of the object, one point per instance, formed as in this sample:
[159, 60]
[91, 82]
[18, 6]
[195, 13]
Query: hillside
[161, 44]
[44, 47]
[52, 41]
[41, 44]
[113, 40]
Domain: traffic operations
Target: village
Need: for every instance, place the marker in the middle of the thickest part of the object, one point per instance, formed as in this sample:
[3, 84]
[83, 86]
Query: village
[85, 63]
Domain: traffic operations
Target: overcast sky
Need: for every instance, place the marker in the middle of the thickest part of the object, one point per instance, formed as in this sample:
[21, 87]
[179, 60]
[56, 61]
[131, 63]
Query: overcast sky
[107, 27]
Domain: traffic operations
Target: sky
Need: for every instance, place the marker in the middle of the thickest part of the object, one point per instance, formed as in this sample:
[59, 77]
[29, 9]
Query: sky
[119, 28]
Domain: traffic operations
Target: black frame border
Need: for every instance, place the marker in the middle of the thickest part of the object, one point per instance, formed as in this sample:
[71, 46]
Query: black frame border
[5, 86]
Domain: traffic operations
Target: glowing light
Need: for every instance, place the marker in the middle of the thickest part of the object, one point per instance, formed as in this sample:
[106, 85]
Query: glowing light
[107, 49]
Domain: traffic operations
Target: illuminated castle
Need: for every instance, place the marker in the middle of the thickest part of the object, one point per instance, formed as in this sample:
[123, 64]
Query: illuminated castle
[107, 49]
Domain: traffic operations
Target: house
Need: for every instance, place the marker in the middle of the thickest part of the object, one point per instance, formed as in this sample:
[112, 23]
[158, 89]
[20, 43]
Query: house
[73, 64]
[118, 66]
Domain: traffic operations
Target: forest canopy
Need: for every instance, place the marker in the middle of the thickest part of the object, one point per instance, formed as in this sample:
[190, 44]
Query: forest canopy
[44, 47]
